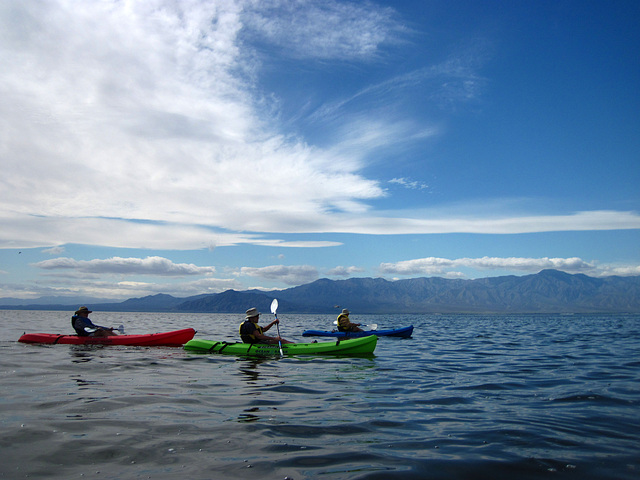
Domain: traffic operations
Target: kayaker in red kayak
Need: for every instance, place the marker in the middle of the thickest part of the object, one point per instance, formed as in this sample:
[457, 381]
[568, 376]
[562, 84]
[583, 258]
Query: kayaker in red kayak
[85, 327]
[251, 332]
[345, 325]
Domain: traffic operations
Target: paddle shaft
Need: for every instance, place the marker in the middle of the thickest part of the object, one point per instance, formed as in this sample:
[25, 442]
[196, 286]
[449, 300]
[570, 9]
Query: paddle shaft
[92, 330]
[274, 310]
[278, 329]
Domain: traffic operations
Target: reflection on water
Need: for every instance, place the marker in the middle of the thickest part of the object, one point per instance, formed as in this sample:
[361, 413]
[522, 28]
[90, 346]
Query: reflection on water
[249, 368]
[80, 353]
[249, 417]
[86, 384]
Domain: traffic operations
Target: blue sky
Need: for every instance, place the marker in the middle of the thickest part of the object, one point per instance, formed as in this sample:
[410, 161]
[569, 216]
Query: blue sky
[188, 147]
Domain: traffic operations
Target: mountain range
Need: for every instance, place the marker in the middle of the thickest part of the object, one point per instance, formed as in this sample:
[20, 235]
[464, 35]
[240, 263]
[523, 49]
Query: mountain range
[550, 291]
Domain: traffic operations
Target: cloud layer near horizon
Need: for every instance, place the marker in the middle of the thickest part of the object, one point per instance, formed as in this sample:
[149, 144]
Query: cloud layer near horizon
[450, 267]
[96, 274]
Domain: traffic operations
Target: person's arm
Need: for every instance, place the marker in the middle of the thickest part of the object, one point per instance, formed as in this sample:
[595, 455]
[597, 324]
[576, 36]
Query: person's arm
[89, 324]
[270, 325]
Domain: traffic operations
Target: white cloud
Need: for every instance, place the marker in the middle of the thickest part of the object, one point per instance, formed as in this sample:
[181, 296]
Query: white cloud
[410, 184]
[141, 125]
[579, 221]
[622, 271]
[92, 286]
[447, 267]
[201, 286]
[156, 266]
[145, 111]
[290, 275]
[341, 271]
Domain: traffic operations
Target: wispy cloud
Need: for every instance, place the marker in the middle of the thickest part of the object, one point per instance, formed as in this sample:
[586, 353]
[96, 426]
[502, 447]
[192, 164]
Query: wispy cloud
[335, 30]
[37, 231]
[42, 231]
[54, 250]
[453, 82]
[490, 224]
[410, 184]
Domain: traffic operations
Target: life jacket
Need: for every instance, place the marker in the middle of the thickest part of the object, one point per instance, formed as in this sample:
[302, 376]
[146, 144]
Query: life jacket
[343, 323]
[79, 330]
[247, 333]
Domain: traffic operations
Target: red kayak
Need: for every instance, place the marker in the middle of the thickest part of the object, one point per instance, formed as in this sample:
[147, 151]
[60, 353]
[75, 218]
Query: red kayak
[176, 338]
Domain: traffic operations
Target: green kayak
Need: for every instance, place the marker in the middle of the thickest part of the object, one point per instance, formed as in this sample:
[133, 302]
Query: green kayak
[355, 346]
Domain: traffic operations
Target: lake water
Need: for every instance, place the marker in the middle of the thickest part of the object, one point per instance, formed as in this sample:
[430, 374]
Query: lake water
[468, 397]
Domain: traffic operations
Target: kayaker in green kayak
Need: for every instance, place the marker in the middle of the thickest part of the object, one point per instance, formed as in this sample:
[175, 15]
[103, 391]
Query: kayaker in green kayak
[345, 325]
[85, 327]
[251, 332]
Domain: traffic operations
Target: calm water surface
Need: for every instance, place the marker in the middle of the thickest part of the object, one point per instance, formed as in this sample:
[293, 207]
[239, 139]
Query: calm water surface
[468, 397]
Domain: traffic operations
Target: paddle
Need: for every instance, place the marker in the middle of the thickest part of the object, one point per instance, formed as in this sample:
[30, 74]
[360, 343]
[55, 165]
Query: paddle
[274, 309]
[373, 326]
[91, 330]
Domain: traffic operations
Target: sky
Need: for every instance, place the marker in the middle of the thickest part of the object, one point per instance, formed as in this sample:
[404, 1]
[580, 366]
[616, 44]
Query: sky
[187, 147]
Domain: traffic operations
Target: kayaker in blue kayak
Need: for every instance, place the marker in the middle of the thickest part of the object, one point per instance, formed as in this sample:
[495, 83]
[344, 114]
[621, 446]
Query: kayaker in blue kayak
[345, 325]
[251, 332]
[85, 327]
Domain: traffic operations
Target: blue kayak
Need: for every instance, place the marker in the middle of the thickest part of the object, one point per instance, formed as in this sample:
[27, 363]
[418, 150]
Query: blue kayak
[404, 332]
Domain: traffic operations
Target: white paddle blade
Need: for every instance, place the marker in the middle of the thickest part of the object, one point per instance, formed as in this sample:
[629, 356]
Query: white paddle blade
[373, 327]
[121, 329]
[274, 309]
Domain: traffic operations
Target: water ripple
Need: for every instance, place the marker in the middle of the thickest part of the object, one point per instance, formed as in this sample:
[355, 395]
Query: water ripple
[467, 397]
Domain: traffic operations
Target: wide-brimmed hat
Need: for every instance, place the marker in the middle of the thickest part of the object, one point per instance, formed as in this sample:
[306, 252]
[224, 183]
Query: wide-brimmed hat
[252, 312]
[345, 311]
[84, 309]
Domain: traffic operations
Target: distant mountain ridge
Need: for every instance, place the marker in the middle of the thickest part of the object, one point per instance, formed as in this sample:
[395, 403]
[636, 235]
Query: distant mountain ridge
[549, 291]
